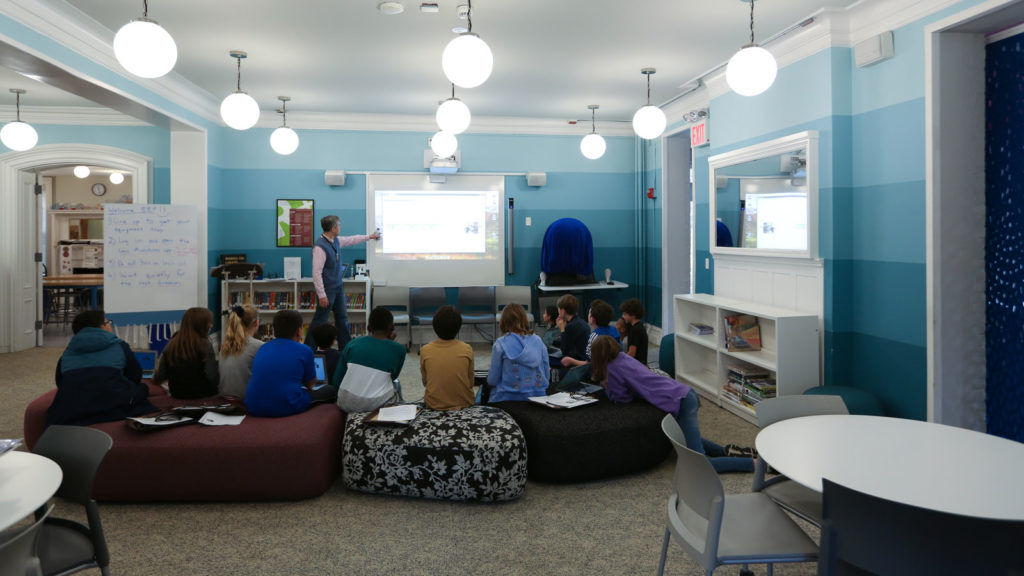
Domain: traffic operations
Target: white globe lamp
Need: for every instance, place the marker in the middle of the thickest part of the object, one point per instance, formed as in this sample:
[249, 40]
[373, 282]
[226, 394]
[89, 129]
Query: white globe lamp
[240, 111]
[82, 171]
[467, 61]
[444, 144]
[145, 49]
[593, 146]
[284, 140]
[751, 71]
[18, 136]
[453, 116]
[116, 178]
[649, 122]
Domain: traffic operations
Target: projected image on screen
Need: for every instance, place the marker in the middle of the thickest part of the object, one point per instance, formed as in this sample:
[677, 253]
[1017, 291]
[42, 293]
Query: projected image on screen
[438, 225]
[775, 221]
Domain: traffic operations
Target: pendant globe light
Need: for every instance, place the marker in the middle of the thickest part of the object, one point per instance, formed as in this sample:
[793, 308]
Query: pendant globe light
[649, 121]
[18, 135]
[82, 171]
[467, 60]
[444, 144]
[593, 146]
[144, 48]
[453, 115]
[239, 110]
[116, 177]
[752, 70]
[284, 140]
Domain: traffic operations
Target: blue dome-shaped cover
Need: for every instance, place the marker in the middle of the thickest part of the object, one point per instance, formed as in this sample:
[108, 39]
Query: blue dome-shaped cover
[567, 254]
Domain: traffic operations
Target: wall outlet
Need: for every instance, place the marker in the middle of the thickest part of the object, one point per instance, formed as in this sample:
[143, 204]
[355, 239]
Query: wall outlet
[529, 221]
[707, 263]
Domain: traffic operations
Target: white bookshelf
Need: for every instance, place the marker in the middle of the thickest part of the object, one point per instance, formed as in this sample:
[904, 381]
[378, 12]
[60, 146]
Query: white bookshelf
[789, 348]
[273, 294]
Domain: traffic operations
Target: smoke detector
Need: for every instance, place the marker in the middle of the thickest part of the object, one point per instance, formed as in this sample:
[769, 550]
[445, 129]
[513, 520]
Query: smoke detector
[390, 8]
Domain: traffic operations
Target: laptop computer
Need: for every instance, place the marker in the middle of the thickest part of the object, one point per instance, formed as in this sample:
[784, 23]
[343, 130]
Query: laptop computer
[147, 359]
[320, 365]
[573, 381]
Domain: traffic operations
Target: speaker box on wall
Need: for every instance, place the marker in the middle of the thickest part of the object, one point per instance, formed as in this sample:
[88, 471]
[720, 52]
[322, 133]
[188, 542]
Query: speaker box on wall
[334, 177]
[536, 178]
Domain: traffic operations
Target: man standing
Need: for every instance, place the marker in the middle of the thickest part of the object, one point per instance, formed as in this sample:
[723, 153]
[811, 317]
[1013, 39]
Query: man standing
[327, 278]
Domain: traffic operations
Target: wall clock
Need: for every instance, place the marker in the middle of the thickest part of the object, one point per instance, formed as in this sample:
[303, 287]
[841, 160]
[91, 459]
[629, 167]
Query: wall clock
[99, 189]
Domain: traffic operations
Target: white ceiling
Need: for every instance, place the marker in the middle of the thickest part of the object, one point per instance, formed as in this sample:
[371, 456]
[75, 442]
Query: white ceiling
[551, 57]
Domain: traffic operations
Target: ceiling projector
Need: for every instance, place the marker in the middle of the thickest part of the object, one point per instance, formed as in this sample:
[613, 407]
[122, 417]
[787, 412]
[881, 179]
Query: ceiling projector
[444, 166]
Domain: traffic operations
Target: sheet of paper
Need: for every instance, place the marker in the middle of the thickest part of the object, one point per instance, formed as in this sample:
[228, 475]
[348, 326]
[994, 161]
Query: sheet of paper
[156, 422]
[564, 400]
[400, 413]
[218, 419]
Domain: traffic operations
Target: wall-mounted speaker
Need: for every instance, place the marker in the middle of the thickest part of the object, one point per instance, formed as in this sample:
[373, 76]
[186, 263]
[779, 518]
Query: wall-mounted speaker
[536, 178]
[334, 177]
[874, 49]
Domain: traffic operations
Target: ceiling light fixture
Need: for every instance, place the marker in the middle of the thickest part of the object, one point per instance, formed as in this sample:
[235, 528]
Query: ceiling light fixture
[82, 171]
[453, 115]
[390, 8]
[284, 140]
[592, 146]
[649, 121]
[467, 60]
[18, 135]
[116, 177]
[239, 110]
[752, 70]
[444, 144]
[144, 48]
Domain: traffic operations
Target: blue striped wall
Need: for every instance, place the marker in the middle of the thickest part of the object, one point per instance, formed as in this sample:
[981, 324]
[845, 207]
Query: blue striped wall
[250, 178]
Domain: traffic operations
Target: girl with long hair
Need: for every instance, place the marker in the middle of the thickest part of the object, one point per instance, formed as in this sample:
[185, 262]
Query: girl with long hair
[625, 378]
[189, 363]
[519, 359]
[238, 349]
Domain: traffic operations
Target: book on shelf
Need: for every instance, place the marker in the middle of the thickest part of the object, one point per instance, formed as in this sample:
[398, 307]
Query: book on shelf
[357, 329]
[701, 329]
[742, 333]
[742, 372]
[355, 300]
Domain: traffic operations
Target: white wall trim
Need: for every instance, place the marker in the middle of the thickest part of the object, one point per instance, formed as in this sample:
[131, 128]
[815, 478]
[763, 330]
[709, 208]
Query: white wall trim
[13, 212]
[72, 116]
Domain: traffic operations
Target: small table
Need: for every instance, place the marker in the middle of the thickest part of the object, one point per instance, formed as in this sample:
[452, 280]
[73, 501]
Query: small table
[54, 285]
[923, 464]
[27, 481]
[582, 290]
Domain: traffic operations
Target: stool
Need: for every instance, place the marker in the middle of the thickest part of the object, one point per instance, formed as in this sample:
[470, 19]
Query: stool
[599, 440]
[476, 453]
[857, 401]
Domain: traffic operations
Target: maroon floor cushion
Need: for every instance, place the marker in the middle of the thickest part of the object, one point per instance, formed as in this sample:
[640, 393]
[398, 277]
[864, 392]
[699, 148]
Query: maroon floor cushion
[260, 459]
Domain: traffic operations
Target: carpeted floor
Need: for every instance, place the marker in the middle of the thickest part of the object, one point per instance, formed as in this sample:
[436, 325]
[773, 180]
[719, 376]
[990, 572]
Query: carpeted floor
[610, 527]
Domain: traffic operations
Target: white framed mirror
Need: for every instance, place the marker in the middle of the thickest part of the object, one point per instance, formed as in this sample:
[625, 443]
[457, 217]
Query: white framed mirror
[764, 199]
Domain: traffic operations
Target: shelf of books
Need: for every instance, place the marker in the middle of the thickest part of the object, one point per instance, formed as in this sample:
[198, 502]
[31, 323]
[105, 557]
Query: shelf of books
[271, 295]
[739, 353]
[357, 299]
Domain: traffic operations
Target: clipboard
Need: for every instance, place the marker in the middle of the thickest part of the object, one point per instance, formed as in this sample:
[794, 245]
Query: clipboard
[374, 417]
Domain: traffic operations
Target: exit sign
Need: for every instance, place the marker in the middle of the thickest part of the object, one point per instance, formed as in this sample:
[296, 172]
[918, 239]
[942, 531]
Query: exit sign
[699, 134]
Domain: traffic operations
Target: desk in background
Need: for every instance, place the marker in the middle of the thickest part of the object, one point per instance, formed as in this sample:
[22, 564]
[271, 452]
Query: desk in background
[923, 464]
[27, 481]
[582, 291]
[59, 288]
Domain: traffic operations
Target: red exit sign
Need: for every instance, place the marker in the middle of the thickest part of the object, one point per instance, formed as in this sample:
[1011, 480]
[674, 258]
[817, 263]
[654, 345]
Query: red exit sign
[699, 134]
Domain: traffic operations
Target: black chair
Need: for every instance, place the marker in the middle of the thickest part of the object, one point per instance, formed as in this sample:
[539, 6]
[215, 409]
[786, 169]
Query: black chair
[65, 546]
[477, 306]
[863, 534]
[423, 303]
[18, 548]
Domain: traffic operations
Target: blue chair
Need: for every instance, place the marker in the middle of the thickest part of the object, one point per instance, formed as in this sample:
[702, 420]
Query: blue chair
[667, 354]
[477, 306]
[423, 303]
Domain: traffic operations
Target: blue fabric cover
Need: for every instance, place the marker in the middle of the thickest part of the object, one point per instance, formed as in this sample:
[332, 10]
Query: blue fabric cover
[567, 249]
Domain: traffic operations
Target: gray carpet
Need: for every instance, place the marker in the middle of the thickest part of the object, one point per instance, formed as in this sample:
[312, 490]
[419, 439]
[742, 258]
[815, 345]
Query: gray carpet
[609, 527]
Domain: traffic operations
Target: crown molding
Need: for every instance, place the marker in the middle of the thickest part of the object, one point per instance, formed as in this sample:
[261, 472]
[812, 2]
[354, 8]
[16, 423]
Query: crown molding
[427, 123]
[871, 17]
[72, 115]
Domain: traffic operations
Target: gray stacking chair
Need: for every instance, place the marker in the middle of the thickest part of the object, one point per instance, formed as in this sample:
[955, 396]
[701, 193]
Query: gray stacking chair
[799, 500]
[18, 548]
[423, 303]
[395, 299]
[65, 546]
[715, 528]
[505, 295]
[862, 534]
[476, 306]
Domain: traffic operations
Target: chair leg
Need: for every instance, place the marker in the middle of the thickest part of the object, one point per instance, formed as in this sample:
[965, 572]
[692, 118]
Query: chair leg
[664, 552]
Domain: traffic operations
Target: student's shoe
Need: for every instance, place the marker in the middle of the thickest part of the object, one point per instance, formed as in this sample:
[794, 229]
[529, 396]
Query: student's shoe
[740, 451]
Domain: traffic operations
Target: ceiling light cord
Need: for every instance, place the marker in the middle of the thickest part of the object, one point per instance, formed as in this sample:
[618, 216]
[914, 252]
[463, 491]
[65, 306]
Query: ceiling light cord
[469, 16]
[238, 86]
[284, 112]
[17, 106]
[751, 21]
[593, 121]
[648, 89]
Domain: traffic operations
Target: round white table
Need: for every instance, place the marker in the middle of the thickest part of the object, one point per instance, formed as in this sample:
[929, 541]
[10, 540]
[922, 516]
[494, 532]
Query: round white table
[923, 464]
[27, 481]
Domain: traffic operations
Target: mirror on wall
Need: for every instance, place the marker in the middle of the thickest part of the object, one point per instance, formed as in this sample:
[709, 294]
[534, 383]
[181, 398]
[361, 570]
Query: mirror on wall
[764, 198]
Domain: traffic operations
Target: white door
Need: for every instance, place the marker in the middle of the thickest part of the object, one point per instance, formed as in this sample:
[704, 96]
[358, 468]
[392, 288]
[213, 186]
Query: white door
[28, 307]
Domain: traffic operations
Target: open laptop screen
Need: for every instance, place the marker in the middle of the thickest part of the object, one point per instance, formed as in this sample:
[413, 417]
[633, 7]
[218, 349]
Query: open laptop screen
[321, 370]
[147, 359]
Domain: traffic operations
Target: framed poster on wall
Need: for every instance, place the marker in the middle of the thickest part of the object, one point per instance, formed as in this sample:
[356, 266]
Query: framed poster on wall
[295, 223]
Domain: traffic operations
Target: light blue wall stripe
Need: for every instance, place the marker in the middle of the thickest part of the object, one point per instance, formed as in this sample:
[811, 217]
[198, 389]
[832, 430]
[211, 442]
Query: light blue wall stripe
[888, 144]
[888, 222]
